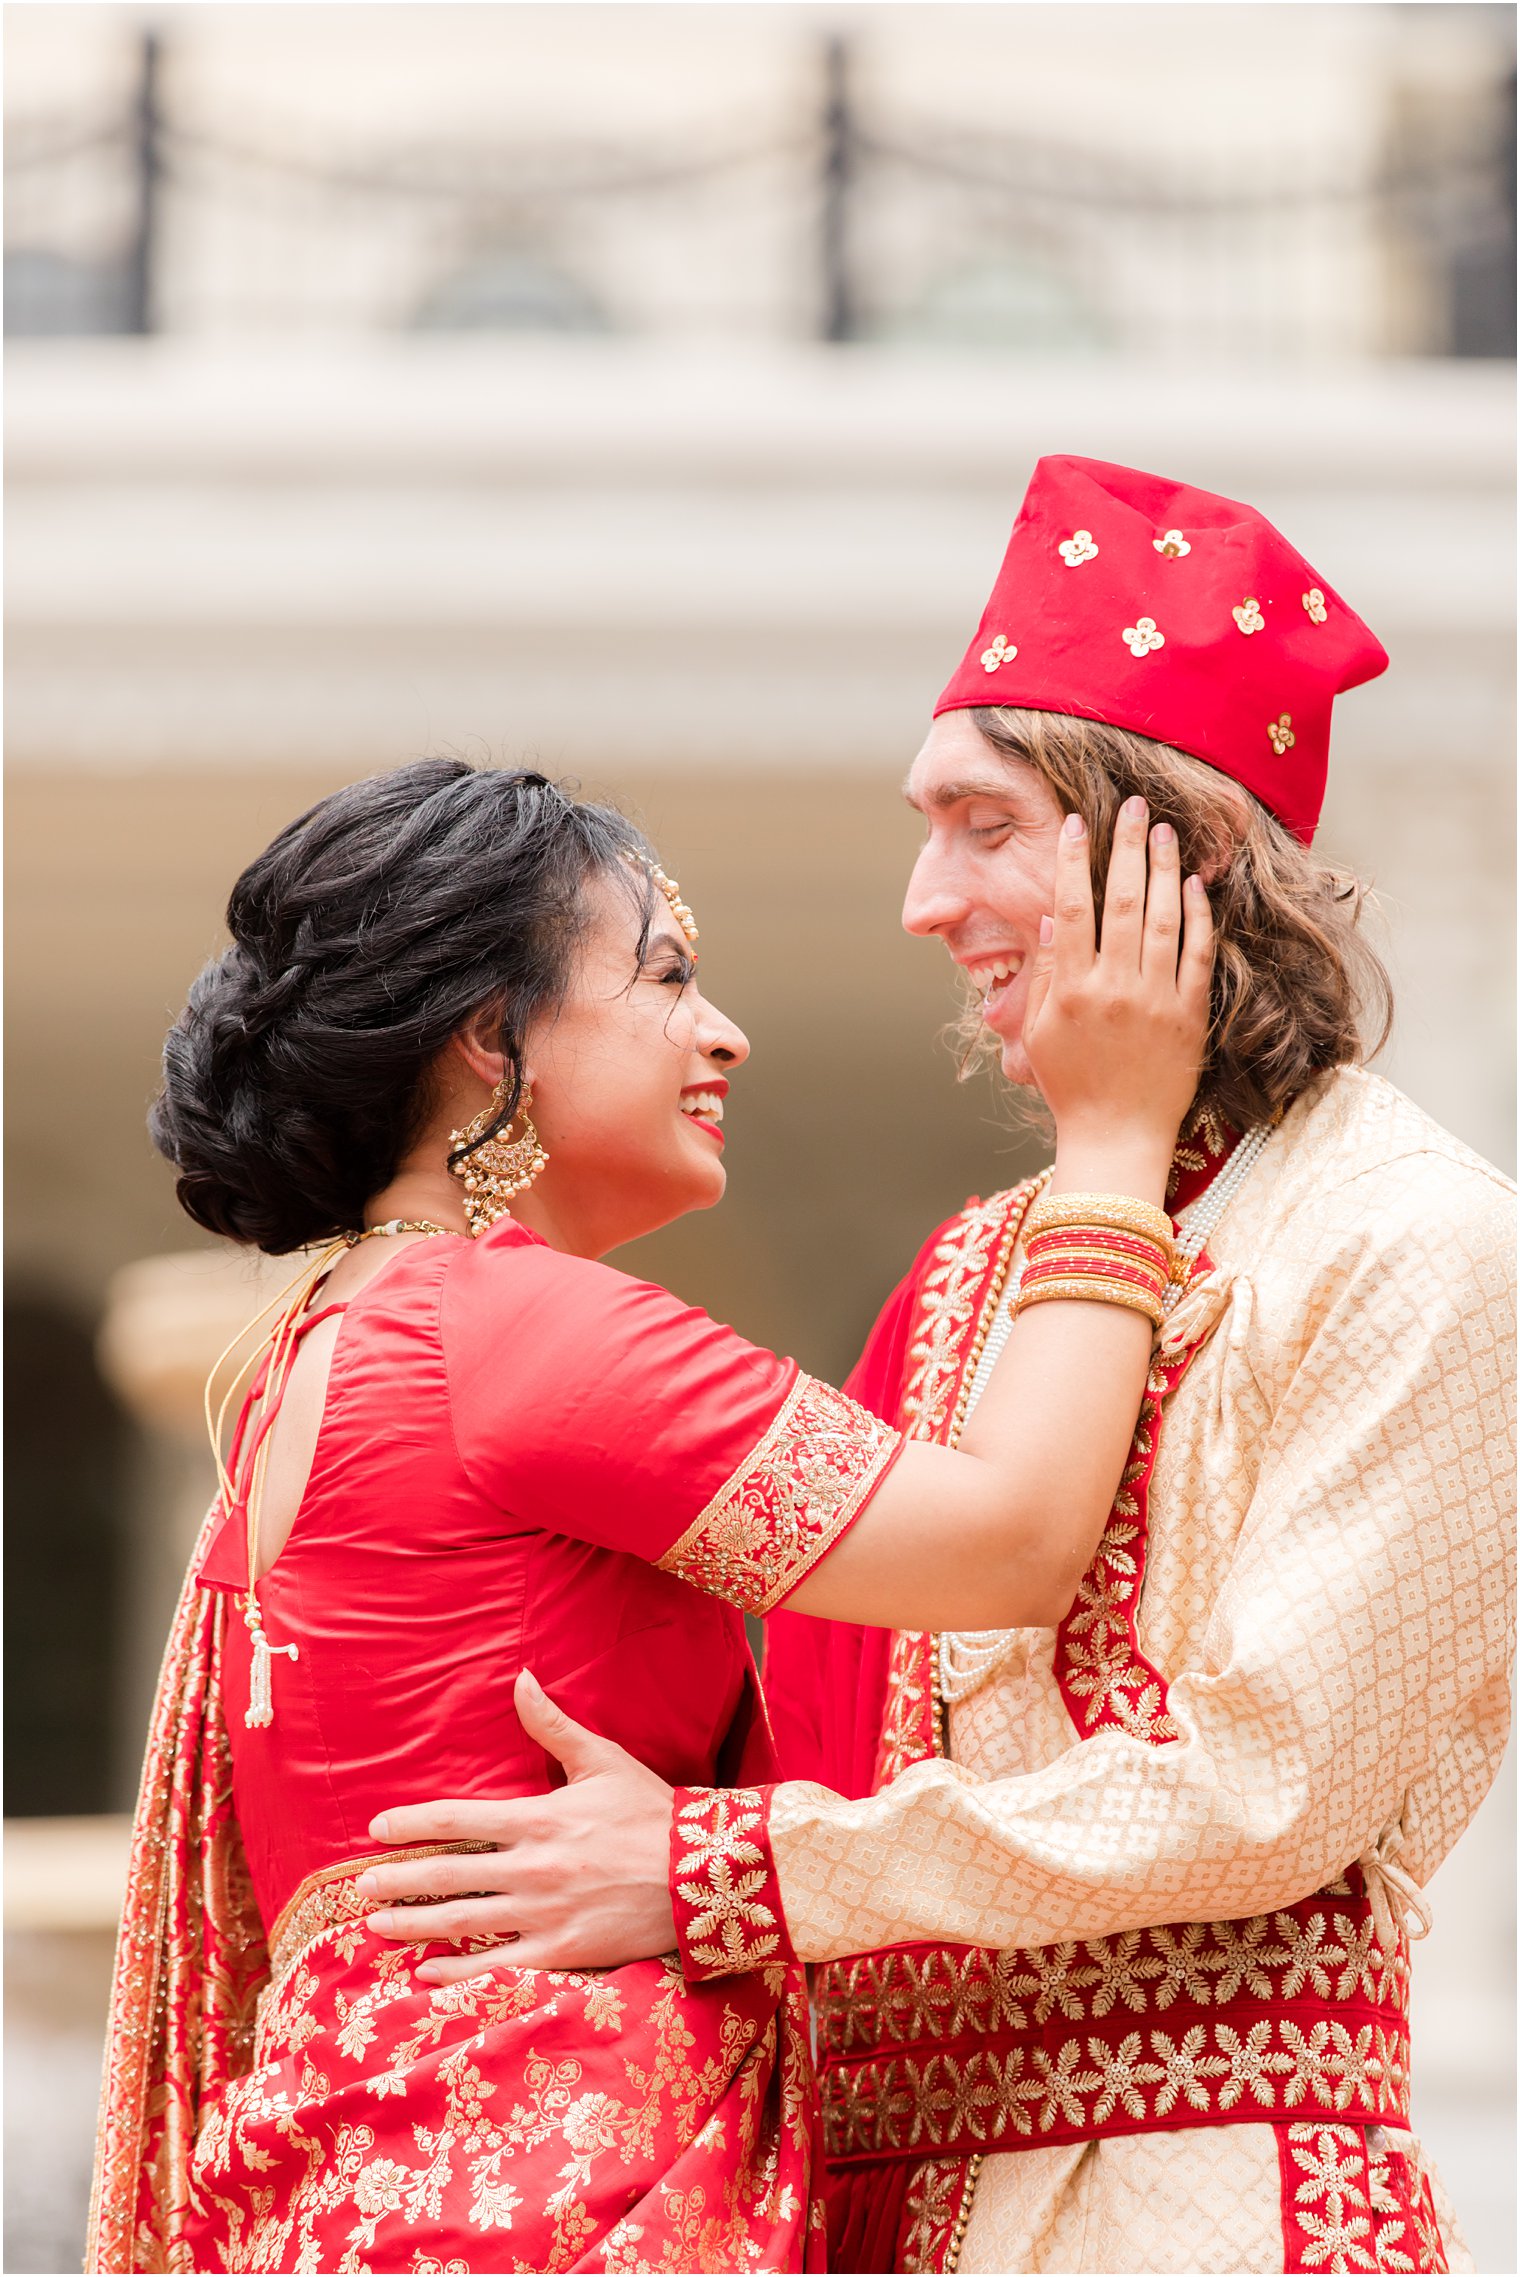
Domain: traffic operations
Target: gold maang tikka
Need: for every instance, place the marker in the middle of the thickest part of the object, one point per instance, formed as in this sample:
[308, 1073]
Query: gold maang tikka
[672, 892]
[492, 1170]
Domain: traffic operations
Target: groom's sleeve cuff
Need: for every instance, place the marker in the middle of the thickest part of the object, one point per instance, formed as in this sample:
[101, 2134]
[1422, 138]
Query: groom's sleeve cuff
[723, 1885]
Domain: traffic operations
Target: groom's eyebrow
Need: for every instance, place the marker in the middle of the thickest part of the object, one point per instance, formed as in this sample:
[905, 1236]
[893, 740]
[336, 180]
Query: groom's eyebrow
[952, 794]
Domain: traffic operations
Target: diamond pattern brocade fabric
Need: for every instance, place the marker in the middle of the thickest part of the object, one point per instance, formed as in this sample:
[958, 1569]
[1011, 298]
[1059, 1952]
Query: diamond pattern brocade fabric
[1327, 1599]
[788, 1502]
[1215, 2200]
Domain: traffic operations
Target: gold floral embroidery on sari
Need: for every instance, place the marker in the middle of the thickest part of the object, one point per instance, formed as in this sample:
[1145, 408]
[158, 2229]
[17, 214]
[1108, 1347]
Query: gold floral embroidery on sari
[524, 2120]
[788, 1502]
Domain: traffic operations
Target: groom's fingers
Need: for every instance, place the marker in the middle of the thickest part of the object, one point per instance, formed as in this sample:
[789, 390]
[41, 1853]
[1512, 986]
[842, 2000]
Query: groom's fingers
[450, 1876]
[497, 1822]
[582, 1752]
[451, 1920]
[458, 1968]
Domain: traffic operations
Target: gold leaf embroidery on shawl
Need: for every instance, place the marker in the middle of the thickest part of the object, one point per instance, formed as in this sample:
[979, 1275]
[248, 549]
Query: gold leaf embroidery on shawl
[935, 2211]
[949, 1300]
[789, 1500]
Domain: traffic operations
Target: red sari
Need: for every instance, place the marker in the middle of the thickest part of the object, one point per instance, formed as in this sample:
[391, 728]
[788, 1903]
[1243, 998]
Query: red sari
[525, 1459]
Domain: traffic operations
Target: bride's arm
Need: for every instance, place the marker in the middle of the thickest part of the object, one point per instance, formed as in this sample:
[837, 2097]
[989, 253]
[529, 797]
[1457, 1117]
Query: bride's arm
[994, 1534]
[997, 1533]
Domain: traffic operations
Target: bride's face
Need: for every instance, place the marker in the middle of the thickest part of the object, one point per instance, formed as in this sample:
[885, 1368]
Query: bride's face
[629, 1078]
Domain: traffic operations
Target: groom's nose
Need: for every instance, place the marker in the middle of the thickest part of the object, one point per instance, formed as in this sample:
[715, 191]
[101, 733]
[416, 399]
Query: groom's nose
[935, 899]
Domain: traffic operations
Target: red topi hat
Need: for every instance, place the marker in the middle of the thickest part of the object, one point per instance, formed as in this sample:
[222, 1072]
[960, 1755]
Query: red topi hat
[1176, 614]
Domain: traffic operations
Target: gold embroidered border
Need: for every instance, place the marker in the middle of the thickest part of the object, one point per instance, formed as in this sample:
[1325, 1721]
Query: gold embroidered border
[723, 1884]
[952, 1298]
[1347, 2205]
[957, 1305]
[789, 1500]
[1319, 1950]
[1073, 2090]
[940, 2048]
[328, 1898]
[936, 2211]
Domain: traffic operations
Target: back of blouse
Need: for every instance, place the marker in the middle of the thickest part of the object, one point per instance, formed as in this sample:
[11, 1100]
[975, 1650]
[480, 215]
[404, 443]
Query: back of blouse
[525, 1459]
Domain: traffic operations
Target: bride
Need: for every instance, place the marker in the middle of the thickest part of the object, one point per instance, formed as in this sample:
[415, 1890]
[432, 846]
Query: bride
[456, 1052]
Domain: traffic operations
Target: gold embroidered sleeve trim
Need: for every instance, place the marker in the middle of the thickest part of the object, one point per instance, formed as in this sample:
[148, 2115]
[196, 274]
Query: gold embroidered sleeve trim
[789, 1500]
[723, 1887]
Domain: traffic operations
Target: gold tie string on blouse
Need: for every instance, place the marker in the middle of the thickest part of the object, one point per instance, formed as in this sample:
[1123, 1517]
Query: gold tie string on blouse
[280, 1345]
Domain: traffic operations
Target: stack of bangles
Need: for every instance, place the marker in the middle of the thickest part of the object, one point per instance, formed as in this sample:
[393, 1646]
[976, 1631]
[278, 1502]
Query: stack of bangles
[1101, 1248]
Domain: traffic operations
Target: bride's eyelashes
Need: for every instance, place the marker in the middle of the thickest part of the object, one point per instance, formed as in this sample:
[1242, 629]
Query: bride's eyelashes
[674, 974]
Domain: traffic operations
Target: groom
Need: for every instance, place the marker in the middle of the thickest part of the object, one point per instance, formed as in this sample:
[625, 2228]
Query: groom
[1112, 1920]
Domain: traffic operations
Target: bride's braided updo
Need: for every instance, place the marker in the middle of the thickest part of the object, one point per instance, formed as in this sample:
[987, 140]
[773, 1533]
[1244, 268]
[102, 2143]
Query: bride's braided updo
[364, 937]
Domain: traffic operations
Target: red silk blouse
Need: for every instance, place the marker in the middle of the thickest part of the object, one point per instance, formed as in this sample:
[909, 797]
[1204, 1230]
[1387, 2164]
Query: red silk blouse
[526, 1459]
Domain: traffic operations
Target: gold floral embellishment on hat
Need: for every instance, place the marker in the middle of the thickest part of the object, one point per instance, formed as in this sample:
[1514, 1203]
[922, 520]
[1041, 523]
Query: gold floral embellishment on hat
[1314, 602]
[1172, 543]
[1077, 548]
[1248, 616]
[1002, 651]
[1142, 636]
[1281, 733]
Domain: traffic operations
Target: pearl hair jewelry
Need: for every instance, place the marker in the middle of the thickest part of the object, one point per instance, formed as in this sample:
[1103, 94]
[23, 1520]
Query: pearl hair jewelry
[671, 891]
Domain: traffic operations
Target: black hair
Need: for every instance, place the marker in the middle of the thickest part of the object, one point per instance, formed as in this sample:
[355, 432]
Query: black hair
[366, 935]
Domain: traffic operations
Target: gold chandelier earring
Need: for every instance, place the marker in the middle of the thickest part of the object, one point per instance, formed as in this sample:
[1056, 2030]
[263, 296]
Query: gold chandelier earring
[492, 1170]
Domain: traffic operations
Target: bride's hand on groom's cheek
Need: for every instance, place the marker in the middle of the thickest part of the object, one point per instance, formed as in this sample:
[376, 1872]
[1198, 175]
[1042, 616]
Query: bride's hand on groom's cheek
[578, 1878]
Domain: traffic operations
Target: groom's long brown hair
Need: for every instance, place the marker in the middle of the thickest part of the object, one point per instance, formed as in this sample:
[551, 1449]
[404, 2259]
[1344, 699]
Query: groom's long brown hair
[1298, 989]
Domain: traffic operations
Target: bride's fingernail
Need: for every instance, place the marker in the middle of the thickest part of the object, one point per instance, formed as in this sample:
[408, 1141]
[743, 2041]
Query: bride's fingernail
[1195, 883]
[1163, 834]
[1047, 931]
[380, 1828]
[1074, 826]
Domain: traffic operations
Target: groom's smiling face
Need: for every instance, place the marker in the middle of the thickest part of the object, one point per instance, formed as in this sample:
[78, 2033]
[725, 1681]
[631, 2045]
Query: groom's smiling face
[986, 873]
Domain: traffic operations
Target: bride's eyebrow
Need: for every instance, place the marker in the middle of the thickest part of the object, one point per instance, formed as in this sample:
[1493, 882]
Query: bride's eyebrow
[674, 942]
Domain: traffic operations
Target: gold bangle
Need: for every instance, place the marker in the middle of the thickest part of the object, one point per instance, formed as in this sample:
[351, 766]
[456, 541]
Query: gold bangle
[1053, 1248]
[1098, 1236]
[1092, 1291]
[1150, 1284]
[1117, 1213]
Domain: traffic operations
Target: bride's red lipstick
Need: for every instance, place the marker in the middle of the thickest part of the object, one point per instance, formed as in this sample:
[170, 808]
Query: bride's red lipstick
[716, 1089]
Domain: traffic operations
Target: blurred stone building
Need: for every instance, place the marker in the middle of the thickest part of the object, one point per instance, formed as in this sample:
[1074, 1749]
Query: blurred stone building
[647, 391]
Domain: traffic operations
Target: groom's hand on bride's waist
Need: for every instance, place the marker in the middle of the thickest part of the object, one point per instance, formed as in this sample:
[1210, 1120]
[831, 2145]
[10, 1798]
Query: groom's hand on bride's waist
[578, 1878]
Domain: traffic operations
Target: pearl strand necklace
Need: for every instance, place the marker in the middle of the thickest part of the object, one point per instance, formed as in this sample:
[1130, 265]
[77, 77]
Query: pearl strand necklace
[968, 1657]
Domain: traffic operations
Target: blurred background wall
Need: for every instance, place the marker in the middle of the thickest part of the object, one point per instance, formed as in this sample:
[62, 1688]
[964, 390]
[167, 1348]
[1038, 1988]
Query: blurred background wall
[646, 392]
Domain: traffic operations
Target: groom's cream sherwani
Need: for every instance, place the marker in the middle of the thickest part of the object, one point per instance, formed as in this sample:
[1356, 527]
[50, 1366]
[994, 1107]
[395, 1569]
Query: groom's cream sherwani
[1280, 1700]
